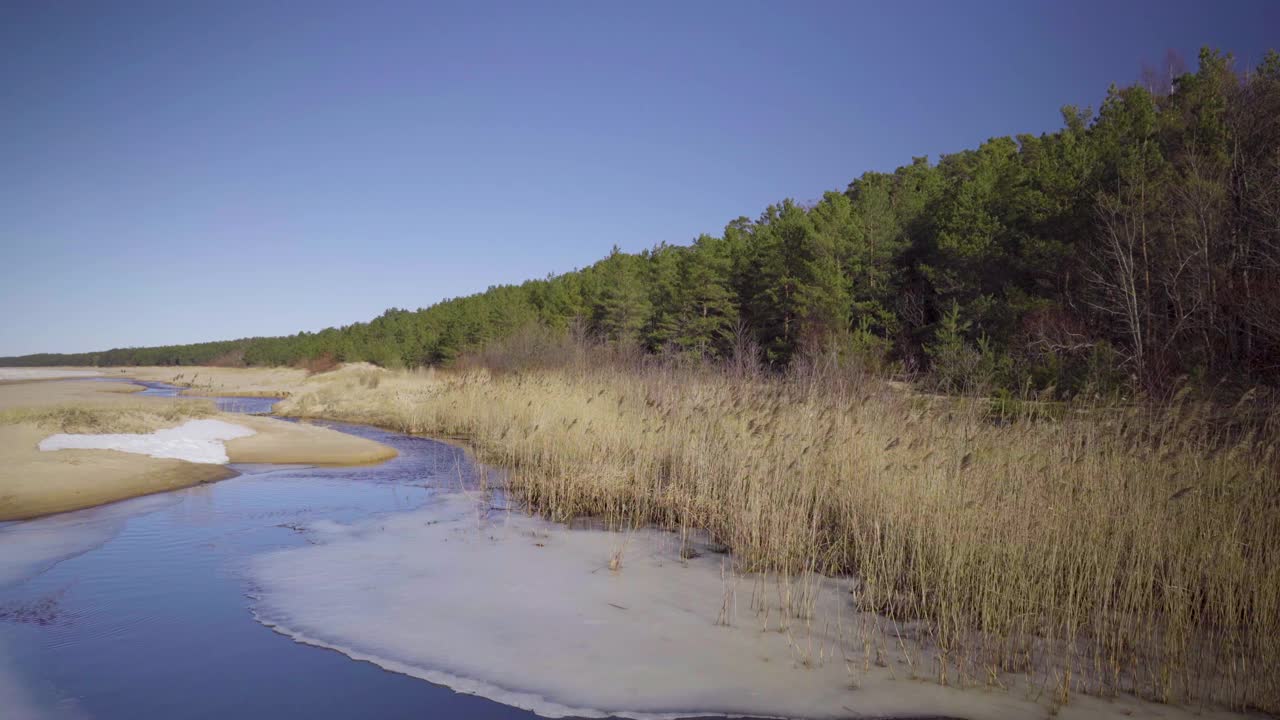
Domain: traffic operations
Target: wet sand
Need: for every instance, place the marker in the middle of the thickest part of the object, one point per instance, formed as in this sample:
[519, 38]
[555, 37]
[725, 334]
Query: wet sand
[282, 442]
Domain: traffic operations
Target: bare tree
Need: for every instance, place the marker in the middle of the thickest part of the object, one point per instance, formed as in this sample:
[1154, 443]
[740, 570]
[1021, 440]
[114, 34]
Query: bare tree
[1159, 80]
[1117, 272]
[744, 352]
[1192, 279]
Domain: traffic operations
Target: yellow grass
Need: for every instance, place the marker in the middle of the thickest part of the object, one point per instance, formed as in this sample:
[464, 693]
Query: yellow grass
[116, 417]
[1105, 551]
[232, 382]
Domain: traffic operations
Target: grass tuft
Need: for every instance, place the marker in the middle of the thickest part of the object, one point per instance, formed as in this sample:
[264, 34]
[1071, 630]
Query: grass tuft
[112, 418]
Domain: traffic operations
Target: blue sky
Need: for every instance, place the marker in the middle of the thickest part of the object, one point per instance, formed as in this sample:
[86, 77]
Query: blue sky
[176, 172]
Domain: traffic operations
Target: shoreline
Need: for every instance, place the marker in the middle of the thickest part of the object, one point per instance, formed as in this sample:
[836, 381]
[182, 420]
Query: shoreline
[33, 486]
[582, 442]
[35, 483]
[199, 393]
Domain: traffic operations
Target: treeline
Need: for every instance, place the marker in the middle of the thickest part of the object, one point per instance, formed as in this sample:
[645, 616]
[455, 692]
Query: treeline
[1134, 247]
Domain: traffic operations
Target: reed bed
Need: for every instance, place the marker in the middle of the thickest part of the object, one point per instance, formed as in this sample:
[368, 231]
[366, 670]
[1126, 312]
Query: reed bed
[1101, 550]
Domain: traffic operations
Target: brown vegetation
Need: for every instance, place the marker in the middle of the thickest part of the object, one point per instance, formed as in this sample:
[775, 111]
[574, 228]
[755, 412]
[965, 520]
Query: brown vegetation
[320, 364]
[117, 417]
[1092, 549]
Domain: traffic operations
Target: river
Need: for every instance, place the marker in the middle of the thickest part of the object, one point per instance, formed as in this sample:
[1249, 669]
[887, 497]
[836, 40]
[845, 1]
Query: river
[154, 621]
[221, 600]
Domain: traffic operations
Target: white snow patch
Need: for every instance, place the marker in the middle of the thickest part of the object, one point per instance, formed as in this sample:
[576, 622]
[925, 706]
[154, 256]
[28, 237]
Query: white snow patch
[197, 441]
[529, 614]
[12, 373]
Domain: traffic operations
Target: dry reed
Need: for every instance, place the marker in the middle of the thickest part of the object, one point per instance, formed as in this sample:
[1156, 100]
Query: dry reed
[1104, 550]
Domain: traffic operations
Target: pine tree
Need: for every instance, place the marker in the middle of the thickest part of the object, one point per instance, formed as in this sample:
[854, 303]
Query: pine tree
[624, 305]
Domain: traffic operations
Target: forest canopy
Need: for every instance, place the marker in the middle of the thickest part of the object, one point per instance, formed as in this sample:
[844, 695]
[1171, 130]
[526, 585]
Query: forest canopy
[1136, 245]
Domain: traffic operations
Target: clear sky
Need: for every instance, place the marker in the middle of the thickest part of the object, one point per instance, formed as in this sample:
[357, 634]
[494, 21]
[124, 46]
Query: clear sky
[174, 172]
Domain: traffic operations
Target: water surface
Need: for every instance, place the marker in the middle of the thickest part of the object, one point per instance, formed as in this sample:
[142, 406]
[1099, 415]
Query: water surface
[246, 405]
[155, 622]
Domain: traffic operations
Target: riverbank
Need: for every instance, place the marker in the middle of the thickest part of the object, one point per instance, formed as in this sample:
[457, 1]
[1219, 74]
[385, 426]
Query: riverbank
[35, 482]
[1104, 553]
[24, 374]
[224, 382]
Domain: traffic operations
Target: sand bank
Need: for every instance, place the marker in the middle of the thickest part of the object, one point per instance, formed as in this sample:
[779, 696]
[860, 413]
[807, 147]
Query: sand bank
[34, 483]
[12, 374]
[225, 382]
[200, 381]
[32, 394]
[233, 438]
[197, 441]
[277, 441]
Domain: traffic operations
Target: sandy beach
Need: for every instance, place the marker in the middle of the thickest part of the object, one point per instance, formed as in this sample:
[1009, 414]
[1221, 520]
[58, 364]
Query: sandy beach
[35, 482]
[25, 374]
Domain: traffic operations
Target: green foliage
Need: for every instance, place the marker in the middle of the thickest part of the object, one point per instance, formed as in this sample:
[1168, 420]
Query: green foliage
[869, 351]
[957, 365]
[623, 306]
[1124, 250]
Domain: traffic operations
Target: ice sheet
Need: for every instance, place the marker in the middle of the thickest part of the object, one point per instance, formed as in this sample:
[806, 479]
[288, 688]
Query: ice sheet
[530, 614]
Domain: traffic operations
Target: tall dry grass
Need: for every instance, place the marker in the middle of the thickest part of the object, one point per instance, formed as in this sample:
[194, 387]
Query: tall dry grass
[1104, 550]
[117, 417]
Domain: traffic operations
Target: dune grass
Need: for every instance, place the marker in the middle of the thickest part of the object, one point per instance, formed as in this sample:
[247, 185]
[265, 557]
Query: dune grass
[1101, 550]
[115, 417]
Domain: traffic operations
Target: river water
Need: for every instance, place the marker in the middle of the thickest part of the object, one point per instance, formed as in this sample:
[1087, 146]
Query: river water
[152, 619]
[246, 405]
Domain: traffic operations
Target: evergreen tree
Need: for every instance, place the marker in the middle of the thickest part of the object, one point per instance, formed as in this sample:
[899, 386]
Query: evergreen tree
[1145, 238]
[624, 306]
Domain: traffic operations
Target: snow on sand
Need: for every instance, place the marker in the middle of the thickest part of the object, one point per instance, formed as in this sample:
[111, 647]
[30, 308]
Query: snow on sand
[197, 441]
